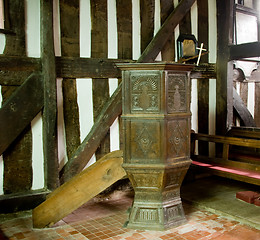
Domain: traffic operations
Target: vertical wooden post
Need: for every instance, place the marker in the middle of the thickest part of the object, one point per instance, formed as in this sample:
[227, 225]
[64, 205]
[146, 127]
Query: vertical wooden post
[69, 15]
[99, 49]
[50, 97]
[147, 22]
[185, 23]
[18, 157]
[224, 101]
[203, 84]
[124, 28]
[225, 151]
[257, 104]
[257, 84]
[168, 50]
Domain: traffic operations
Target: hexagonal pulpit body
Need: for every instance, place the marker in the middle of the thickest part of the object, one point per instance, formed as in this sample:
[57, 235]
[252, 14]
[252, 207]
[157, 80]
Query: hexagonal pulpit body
[156, 137]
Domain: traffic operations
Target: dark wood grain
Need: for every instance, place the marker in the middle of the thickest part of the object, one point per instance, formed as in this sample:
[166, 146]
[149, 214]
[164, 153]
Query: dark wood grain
[202, 85]
[159, 40]
[99, 49]
[82, 155]
[168, 50]
[147, 8]
[242, 110]
[50, 146]
[69, 14]
[224, 82]
[18, 157]
[244, 50]
[19, 110]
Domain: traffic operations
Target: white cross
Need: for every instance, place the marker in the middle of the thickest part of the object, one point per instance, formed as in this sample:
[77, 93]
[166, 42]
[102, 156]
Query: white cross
[201, 49]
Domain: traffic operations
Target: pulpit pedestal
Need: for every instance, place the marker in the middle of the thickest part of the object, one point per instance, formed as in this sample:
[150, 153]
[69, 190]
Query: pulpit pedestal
[156, 137]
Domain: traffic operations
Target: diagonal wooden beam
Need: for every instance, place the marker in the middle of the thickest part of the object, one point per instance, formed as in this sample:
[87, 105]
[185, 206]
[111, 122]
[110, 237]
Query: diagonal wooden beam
[88, 147]
[159, 40]
[20, 109]
[114, 107]
[242, 110]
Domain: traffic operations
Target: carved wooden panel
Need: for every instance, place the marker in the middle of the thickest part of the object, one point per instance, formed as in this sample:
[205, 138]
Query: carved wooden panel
[177, 93]
[178, 132]
[145, 141]
[145, 93]
[147, 215]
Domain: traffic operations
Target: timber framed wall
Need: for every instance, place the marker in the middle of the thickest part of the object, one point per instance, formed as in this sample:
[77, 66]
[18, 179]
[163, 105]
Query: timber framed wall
[89, 36]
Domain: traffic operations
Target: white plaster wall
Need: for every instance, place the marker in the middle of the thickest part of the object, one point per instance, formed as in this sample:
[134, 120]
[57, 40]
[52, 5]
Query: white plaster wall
[176, 31]
[32, 26]
[251, 98]
[113, 53]
[194, 92]
[136, 29]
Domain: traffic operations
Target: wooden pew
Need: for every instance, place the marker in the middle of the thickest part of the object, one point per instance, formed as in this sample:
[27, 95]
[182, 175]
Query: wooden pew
[224, 165]
[245, 154]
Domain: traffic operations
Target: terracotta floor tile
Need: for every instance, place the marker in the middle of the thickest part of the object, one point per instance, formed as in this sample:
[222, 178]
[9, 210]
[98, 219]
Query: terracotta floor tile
[105, 220]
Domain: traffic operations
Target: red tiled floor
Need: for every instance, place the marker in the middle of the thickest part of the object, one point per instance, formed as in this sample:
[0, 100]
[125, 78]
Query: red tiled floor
[105, 220]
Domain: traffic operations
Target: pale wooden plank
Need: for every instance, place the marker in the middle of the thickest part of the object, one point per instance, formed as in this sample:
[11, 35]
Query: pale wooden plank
[79, 190]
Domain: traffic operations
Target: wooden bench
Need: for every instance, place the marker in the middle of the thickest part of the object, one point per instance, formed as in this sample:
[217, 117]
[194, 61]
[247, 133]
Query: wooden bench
[241, 153]
[225, 165]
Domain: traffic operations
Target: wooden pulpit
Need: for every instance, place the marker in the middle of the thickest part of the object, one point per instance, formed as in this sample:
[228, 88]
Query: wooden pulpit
[156, 136]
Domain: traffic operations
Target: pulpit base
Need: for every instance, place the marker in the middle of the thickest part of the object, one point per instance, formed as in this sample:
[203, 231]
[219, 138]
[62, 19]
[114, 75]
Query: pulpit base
[156, 217]
[157, 204]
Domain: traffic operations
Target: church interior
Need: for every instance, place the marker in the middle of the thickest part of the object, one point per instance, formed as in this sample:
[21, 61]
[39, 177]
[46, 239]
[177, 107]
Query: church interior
[129, 119]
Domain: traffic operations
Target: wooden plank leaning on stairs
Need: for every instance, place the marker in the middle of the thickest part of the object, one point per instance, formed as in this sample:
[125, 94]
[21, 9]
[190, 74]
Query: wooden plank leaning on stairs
[223, 165]
[79, 189]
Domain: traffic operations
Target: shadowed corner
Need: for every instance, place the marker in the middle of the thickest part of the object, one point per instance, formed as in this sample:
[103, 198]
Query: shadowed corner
[2, 235]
